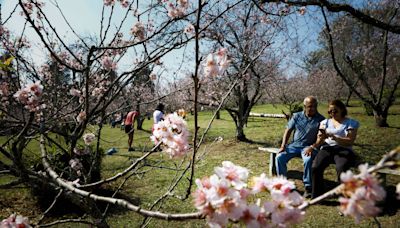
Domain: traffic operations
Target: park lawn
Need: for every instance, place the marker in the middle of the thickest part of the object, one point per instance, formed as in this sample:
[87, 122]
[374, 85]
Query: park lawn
[146, 188]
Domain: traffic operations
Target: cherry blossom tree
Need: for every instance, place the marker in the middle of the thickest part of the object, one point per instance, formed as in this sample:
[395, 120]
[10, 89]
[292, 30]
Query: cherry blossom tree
[79, 83]
[247, 36]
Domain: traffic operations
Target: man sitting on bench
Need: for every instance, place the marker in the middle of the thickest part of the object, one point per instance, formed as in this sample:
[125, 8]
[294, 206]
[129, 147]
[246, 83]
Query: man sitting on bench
[305, 124]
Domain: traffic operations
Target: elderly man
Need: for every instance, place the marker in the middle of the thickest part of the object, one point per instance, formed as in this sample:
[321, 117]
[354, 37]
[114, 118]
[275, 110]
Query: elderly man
[305, 124]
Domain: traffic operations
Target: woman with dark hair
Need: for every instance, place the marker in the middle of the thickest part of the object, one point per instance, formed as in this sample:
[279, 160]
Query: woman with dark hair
[335, 139]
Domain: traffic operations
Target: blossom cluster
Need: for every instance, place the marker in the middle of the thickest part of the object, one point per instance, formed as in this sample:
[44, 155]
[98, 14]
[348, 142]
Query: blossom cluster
[216, 63]
[124, 3]
[88, 138]
[360, 194]
[224, 196]
[108, 63]
[178, 9]
[29, 6]
[15, 221]
[30, 96]
[173, 133]
[138, 30]
[76, 165]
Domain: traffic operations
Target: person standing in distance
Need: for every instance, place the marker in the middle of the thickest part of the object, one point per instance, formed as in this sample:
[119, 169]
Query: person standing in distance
[158, 114]
[129, 127]
[305, 124]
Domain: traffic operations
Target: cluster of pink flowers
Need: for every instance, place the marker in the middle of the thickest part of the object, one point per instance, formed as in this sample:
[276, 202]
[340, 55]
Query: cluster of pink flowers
[139, 31]
[124, 3]
[189, 29]
[15, 221]
[88, 138]
[81, 117]
[108, 63]
[109, 2]
[178, 9]
[173, 133]
[224, 196]
[360, 193]
[29, 6]
[30, 96]
[216, 63]
[76, 165]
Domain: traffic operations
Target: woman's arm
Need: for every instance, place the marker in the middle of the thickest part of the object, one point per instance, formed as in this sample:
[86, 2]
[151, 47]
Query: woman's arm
[348, 140]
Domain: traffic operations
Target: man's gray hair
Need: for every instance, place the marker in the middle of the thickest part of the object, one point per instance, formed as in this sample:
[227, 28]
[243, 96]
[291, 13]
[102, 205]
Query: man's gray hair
[310, 99]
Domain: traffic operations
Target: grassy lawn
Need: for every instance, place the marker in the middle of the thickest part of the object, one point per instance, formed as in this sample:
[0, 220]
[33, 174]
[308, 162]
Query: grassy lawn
[154, 178]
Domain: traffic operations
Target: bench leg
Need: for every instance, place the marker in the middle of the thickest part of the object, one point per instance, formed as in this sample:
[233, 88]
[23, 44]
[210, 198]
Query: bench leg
[272, 166]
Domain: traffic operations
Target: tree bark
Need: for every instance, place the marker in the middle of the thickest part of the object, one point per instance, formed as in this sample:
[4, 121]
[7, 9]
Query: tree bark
[380, 118]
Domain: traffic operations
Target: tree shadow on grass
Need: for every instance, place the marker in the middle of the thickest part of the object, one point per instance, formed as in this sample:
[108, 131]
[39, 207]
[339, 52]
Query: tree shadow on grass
[391, 204]
[64, 207]
[262, 143]
[147, 131]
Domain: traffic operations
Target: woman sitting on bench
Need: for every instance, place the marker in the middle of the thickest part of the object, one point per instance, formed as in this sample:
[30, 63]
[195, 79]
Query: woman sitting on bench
[336, 137]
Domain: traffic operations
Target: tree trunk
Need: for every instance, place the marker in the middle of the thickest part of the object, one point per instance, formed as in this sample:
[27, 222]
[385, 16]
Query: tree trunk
[240, 130]
[240, 136]
[218, 115]
[380, 118]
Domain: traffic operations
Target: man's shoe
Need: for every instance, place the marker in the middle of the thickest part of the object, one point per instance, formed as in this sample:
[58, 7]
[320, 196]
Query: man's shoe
[131, 149]
[307, 192]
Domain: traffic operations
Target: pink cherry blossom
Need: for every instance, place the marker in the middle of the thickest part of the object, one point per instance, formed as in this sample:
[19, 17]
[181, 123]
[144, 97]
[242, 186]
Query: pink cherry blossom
[177, 10]
[124, 3]
[15, 221]
[216, 63]
[75, 92]
[30, 96]
[88, 138]
[360, 194]
[138, 30]
[189, 29]
[221, 200]
[237, 175]
[81, 117]
[109, 2]
[78, 151]
[76, 165]
[108, 63]
[173, 134]
[153, 76]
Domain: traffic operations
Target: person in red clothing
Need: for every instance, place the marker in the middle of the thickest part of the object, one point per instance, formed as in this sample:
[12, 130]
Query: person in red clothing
[129, 127]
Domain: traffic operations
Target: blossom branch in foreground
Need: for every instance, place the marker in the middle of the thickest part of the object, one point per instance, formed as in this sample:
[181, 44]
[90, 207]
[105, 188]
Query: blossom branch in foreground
[224, 196]
[123, 203]
[359, 193]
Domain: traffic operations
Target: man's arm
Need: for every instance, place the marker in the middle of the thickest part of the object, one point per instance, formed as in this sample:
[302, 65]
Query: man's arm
[285, 139]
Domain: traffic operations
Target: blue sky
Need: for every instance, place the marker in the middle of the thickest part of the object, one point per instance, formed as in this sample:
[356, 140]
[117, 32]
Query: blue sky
[84, 17]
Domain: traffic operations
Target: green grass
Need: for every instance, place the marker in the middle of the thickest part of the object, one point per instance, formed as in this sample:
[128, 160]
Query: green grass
[146, 187]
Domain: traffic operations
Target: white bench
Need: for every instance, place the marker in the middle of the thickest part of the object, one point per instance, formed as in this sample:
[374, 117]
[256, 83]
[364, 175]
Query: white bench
[267, 115]
[272, 155]
[383, 172]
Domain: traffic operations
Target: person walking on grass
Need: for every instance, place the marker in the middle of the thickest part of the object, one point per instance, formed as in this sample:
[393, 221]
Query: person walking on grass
[129, 127]
[305, 125]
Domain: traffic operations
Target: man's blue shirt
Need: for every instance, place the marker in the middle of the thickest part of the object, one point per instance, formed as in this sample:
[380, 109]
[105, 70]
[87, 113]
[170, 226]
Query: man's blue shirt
[306, 128]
